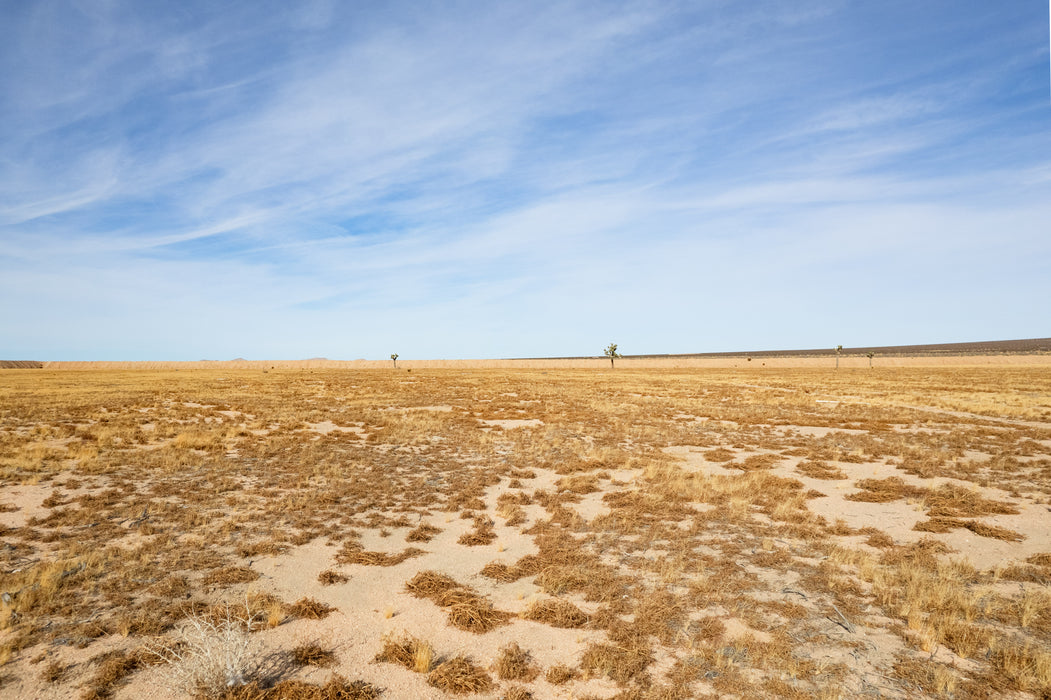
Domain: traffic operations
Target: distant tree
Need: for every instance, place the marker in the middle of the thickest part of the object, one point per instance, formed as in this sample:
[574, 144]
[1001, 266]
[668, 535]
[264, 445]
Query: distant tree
[839, 349]
[394, 359]
[870, 355]
[611, 353]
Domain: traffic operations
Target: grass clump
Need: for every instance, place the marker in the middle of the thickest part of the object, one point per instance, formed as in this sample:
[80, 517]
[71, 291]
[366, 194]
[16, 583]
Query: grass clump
[309, 609]
[313, 654]
[336, 688]
[556, 612]
[410, 652]
[331, 578]
[460, 676]
[561, 673]
[422, 533]
[476, 614]
[430, 584]
[516, 692]
[516, 664]
[354, 553]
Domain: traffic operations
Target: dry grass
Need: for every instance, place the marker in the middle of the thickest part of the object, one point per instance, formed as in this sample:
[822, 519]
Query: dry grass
[313, 654]
[430, 584]
[516, 664]
[460, 676]
[475, 614]
[410, 652]
[331, 578]
[517, 692]
[560, 674]
[557, 613]
[336, 688]
[820, 470]
[153, 495]
[353, 553]
[309, 609]
[422, 533]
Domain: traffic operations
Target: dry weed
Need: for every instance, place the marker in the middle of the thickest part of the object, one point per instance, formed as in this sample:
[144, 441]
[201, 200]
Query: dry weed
[516, 664]
[557, 613]
[313, 654]
[460, 676]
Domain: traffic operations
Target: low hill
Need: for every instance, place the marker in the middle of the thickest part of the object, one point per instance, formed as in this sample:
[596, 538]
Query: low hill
[992, 347]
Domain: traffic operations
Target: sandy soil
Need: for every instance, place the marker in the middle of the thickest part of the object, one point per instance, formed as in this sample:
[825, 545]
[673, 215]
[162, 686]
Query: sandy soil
[663, 481]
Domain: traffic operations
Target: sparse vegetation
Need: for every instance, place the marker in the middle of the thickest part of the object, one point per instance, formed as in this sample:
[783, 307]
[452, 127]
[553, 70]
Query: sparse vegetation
[682, 533]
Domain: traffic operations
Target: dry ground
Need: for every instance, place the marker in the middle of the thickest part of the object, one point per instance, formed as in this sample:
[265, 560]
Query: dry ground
[526, 534]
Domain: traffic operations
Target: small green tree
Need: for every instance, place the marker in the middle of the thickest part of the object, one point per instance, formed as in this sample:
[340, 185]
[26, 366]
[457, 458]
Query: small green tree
[394, 359]
[611, 353]
[870, 355]
[839, 349]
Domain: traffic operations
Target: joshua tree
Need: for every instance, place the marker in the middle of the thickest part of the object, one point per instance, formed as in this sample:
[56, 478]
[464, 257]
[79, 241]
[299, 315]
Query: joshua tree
[870, 355]
[611, 353]
[839, 349]
[394, 359]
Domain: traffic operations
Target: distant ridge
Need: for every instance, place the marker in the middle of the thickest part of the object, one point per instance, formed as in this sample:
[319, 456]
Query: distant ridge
[21, 364]
[1007, 347]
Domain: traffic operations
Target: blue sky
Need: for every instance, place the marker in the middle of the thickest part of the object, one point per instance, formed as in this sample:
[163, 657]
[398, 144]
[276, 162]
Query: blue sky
[300, 179]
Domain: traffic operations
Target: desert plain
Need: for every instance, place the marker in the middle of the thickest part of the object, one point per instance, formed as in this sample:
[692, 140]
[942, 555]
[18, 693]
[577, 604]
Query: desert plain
[641, 532]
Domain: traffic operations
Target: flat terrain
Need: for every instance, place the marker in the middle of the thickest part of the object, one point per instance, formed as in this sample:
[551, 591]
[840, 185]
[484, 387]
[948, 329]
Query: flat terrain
[562, 533]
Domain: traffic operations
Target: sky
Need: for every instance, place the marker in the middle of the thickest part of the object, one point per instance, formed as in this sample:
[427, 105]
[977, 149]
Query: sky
[287, 180]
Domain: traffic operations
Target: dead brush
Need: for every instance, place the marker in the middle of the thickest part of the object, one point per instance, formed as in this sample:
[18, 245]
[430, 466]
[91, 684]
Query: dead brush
[720, 454]
[422, 533]
[313, 654]
[516, 664]
[230, 575]
[556, 612]
[619, 663]
[1024, 665]
[114, 667]
[561, 673]
[886, 490]
[410, 652]
[331, 578]
[820, 470]
[308, 609]
[482, 534]
[661, 614]
[583, 484]
[212, 654]
[354, 553]
[476, 614]
[943, 524]
[955, 501]
[512, 498]
[498, 571]
[53, 672]
[512, 513]
[336, 688]
[754, 462]
[430, 584]
[460, 676]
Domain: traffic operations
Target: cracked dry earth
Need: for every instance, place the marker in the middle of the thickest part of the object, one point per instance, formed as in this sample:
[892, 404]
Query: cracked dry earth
[526, 534]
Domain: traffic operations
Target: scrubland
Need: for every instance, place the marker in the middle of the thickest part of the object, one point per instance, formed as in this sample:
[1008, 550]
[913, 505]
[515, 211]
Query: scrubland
[563, 533]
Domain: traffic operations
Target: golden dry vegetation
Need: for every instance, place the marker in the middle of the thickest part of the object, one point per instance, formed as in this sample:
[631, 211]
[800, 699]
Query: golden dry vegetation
[676, 533]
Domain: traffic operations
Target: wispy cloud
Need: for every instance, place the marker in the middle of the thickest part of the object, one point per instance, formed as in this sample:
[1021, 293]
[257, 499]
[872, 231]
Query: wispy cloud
[507, 180]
